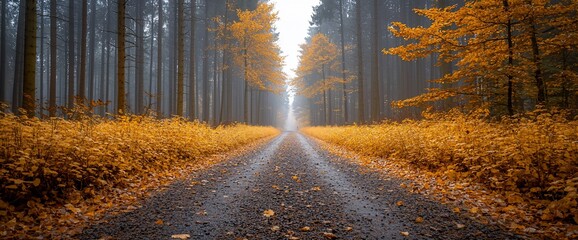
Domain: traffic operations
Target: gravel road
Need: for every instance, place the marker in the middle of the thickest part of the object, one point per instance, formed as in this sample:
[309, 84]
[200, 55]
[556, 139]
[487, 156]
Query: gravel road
[312, 195]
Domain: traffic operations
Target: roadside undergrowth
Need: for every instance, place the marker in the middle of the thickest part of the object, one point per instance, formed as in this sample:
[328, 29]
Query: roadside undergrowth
[56, 174]
[522, 172]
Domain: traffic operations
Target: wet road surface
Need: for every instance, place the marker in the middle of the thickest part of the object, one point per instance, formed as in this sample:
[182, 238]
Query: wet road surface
[311, 193]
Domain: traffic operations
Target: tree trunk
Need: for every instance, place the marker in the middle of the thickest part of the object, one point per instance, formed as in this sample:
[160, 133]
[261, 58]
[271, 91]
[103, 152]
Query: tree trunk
[3, 53]
[159, 91]
[52, 95]
[92, 48]
[41, 60]
[245, 76]
[139, 61]
[537, 59]
[360, 90]
[71, 60]
[206, 88]
[375, 103]
[180, 57]
[343, 76]
[19, 60]
[29, 99]
[82, 77]
[150, 89]
[120, 99]
[510, 58]
[193, 64]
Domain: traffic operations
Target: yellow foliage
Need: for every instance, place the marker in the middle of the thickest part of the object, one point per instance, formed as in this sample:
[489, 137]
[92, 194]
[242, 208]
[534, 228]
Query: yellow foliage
[63, 161]
[535, 155]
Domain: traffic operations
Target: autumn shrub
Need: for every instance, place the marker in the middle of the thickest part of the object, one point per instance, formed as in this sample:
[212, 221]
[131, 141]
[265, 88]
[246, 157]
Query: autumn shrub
[535, 155]
[47, 161]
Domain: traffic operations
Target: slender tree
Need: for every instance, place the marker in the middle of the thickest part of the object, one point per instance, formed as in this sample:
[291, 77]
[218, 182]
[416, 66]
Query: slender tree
[193, 65]
[121, 103]
[53, 27]
[3, 52]
[29, 97]
[159, 60]
[343, 73]
[360, 90]
[82, 77]
[92, 48]
[375, 98]
[139, 60]
[180, 56]
[71, 58]
[19, 60]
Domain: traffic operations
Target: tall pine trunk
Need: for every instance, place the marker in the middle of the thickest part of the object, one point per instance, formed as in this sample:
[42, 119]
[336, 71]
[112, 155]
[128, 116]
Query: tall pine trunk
[159, 91]
[375, 103]
[19, 60]
[180, 57]
[3, 54]
[206, 88]
[360, 90]
[92, 48]
[82, 77]
[343, 76]
[71, 60]
[193, 65]
[139, 61]
[52, 94]
[29, 99]
[120, 98]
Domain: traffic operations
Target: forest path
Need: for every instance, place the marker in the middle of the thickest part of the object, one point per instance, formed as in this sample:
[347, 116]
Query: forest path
[312, 195]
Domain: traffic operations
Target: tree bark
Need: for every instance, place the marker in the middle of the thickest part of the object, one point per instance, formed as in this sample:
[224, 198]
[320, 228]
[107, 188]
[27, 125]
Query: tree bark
[206, 88]
[71, 60]
[82, 77]
[375, 103]
[510, 58]
[360, 90]
[180, 57]
[121, 103]
[19, 60]
[52, 95]
[139, 60]
[537, 59]
[193, 64]
[159, 91]
[92, 48]
[29, 99]
[343, 76]
[3, 53]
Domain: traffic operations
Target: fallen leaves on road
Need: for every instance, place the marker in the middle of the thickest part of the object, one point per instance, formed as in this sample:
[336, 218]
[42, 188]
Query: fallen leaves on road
[275, 228]
[405, 234]
[268, 213]
[329, 235]
[419, 220]
[305, 229]
[316, 188]
[181, 236]
[399, 203]
[159, 222]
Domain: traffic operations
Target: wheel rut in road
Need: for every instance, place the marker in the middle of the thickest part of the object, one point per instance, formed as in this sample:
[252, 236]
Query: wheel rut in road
[313, 194]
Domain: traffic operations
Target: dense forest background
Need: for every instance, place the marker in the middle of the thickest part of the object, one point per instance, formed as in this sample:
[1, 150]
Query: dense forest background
[180, 58]
[369, 60]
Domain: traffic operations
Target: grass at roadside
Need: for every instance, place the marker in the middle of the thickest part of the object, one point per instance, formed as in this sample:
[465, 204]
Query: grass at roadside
[56, 170]
[533, 160]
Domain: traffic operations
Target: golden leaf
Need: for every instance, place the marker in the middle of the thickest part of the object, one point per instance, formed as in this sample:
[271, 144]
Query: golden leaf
[180, 236]
[419, 220]
[268, 213]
